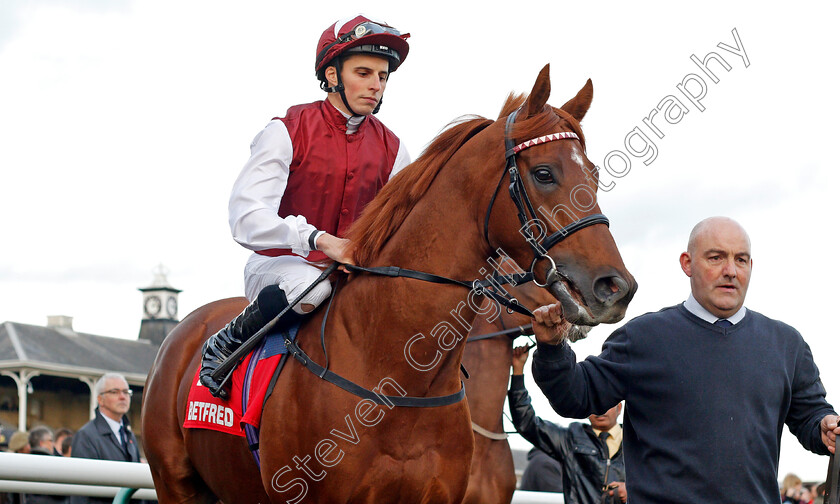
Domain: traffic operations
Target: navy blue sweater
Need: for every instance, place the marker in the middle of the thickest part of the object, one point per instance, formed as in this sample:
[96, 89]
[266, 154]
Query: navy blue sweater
[705, 406]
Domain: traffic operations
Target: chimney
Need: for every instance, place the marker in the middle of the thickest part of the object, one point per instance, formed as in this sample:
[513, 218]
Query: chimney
[60, 322]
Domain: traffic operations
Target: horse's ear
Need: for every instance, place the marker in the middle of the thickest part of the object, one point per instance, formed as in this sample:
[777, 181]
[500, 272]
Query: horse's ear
[577, 106]
[539, 95]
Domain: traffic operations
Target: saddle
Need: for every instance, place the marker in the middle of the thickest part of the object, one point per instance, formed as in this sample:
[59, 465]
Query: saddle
[251, 384]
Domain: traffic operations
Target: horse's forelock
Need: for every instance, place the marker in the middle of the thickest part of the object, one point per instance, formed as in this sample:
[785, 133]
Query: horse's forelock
[573, 123]
[550, 120]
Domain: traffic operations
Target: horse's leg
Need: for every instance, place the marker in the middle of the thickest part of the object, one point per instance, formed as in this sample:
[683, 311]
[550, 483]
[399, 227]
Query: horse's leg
[492, 476]
[183, 461]
[226, 464]
[176, 480]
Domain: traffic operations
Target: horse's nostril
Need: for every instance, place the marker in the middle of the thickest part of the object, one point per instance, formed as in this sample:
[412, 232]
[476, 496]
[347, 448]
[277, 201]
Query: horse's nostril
[610, 289]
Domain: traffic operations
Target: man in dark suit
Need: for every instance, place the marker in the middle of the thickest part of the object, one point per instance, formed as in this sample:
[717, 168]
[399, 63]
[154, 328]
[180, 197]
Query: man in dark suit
[108, 436]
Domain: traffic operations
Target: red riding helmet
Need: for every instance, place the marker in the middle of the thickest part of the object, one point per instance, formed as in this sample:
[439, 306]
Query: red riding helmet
[360, 35]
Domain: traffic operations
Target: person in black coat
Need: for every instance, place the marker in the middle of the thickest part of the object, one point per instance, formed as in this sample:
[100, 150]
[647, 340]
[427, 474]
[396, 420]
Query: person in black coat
[41, 441]
[591, 457]
[108, 436]
[542, 474]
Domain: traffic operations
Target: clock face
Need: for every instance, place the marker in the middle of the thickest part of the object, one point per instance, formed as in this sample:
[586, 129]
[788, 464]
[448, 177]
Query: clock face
[152, 305]
[172, 307]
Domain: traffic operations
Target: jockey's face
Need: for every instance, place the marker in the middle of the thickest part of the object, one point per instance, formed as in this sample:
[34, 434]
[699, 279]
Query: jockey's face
[364, 78]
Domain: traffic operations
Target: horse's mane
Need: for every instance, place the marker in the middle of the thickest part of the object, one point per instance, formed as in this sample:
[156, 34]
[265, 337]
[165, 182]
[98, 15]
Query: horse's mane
[387, 211]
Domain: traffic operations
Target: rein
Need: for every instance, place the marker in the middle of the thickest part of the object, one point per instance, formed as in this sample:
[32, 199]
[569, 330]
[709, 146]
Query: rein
[486, 287]
[512, 333]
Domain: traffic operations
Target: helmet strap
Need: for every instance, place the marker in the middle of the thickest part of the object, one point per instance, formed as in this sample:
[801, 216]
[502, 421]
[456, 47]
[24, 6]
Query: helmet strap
[347, 104]
[339, 88]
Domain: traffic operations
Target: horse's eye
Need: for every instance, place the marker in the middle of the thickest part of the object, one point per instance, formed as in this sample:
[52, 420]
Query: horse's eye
[543, 176]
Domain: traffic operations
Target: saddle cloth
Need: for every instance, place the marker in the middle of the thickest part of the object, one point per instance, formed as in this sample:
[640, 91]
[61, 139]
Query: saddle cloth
[248, 386]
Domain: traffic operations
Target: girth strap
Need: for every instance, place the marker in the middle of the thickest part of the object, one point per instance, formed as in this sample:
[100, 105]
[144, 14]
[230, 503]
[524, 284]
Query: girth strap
[354, 388]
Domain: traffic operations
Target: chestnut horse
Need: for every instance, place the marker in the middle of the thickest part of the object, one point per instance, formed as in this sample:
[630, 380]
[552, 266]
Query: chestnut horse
[487, 358]
[445, 214]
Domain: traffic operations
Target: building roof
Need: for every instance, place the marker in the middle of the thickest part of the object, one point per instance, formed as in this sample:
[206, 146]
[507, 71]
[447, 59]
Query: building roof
[63, 351]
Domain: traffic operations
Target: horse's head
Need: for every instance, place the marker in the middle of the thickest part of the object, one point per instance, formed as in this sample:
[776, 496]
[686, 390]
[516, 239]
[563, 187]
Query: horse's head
[545, 213]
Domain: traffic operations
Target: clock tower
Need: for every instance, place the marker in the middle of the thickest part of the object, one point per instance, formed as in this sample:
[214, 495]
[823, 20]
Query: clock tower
[160, 308]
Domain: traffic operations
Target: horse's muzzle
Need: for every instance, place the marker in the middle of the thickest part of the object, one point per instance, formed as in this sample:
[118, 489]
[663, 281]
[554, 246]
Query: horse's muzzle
[606, 302]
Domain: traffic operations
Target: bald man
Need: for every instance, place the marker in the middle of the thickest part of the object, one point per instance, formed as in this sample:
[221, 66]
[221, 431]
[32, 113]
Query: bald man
[708, 385]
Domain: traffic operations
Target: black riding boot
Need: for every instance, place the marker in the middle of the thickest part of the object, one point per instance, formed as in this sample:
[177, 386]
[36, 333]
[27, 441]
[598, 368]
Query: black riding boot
[270, 302]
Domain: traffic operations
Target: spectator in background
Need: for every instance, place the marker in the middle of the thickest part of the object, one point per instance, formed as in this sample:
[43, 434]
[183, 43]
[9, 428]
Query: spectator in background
[41, 441]
[108, 436]
[5, 436]
[819, 493]
[542, 474]
[66, 446]
[60, 434]
[19, 442]
[591, 458]
[792, 491]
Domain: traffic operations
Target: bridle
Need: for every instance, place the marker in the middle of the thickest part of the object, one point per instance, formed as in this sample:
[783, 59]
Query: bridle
[524, 207]
[489, 287]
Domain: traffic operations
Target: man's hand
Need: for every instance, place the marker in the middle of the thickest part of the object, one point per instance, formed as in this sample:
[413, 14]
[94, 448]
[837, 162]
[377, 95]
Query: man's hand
[520, 357]
[618, 486]
[337, 249]
[549, 325]
[829, 430]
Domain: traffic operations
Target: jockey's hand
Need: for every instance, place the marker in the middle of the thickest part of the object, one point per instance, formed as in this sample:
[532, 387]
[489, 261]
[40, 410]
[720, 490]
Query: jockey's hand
[337, 249]
[519, 358]
[549, 325]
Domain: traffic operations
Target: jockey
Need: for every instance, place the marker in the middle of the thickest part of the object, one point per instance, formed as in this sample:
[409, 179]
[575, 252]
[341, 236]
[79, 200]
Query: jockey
[309, 176]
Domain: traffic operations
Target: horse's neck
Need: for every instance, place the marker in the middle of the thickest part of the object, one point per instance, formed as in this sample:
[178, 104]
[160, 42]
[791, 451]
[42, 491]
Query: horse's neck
[435, 238]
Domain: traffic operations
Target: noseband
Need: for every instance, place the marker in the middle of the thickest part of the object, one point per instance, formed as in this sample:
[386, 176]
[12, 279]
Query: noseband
[520, 198]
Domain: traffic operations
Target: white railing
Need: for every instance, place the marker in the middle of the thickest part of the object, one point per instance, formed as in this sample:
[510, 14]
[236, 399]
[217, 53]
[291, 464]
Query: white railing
[523, 497]
[42, 474]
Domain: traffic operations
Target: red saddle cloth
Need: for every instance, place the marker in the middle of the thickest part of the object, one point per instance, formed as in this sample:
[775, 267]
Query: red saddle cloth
[229, 416]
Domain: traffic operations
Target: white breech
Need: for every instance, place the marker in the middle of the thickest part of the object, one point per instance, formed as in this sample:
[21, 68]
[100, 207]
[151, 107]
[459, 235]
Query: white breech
[292, 273]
